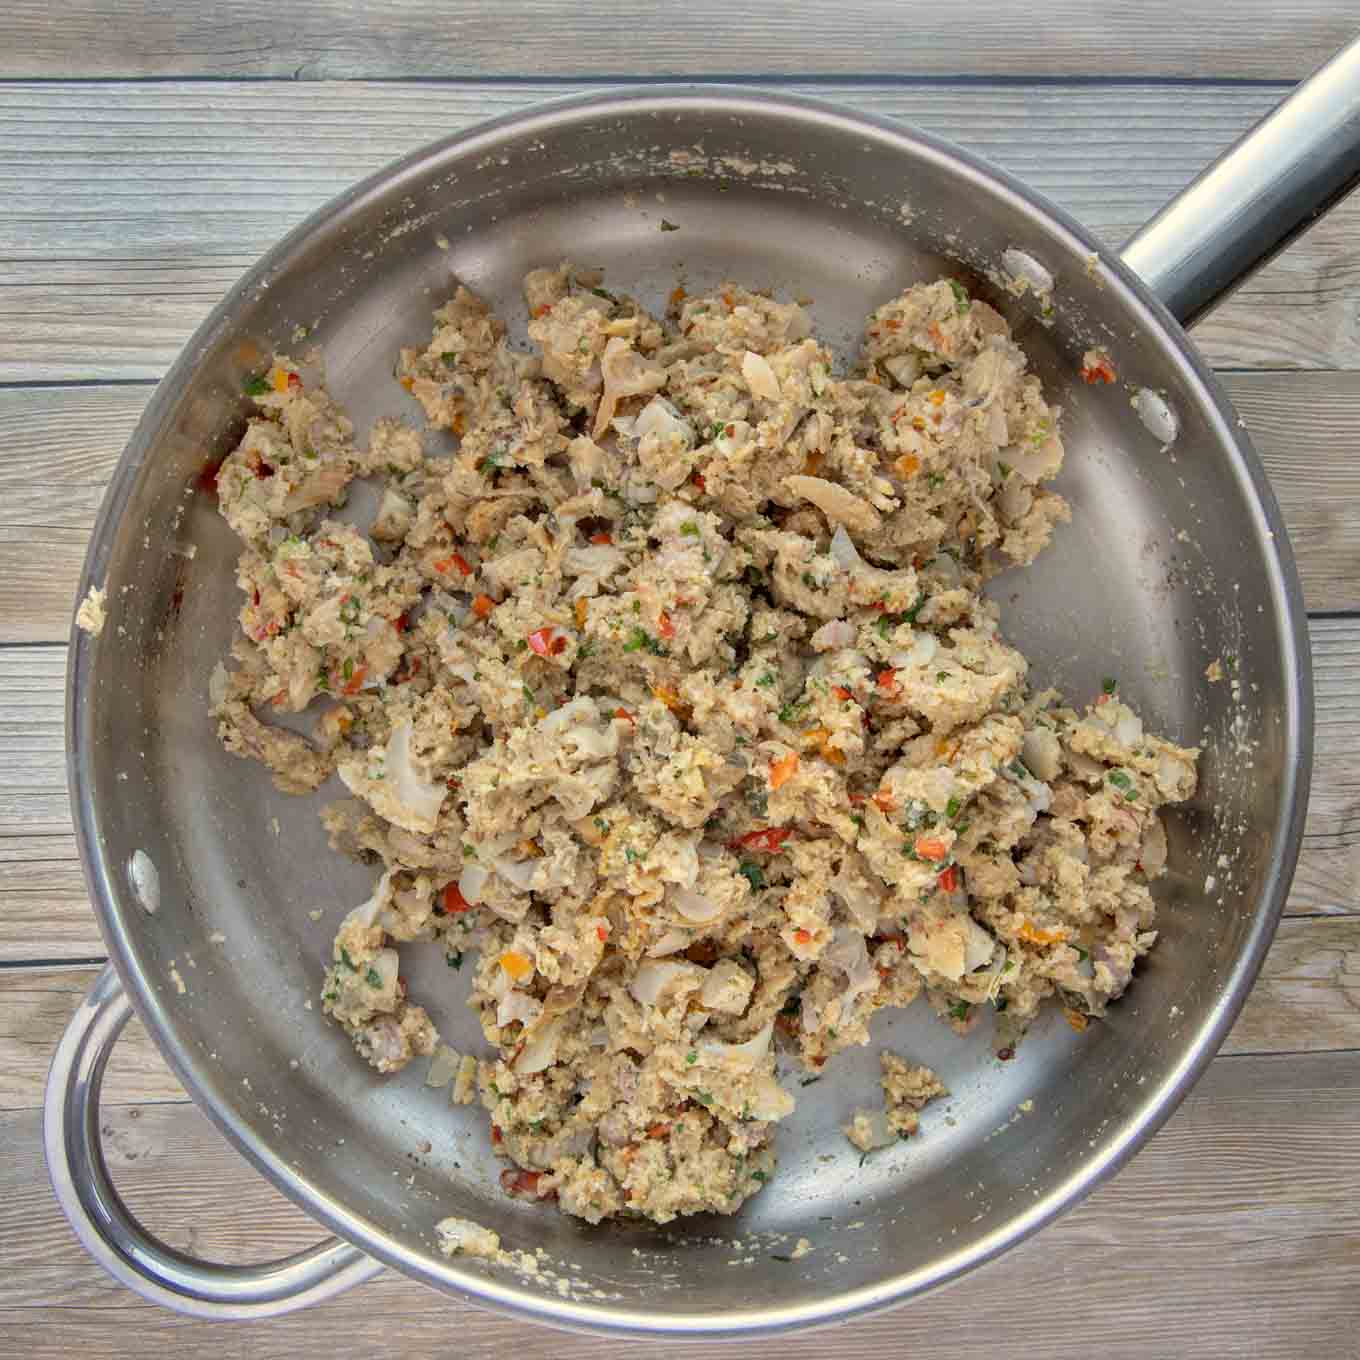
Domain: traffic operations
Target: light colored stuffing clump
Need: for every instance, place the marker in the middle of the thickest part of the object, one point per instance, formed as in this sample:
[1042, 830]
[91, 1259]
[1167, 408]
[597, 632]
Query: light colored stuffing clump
[670, 707]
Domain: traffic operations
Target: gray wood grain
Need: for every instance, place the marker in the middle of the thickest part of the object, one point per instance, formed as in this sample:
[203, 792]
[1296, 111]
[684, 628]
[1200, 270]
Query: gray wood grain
[1231, 1234]
[635, 38]
[128, 210]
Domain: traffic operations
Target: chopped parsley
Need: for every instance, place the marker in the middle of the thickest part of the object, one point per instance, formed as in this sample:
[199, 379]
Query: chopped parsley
[1004, 469]
[454, 960]
[704, 1097]
[791, 712]
[639, 640]
[941, 677]
[605, 294]
[1109, 684]
[766, 680]
[952, 808]
[346, 960]
[690, 529]
[691, 1058]
[960, 296]
[959, 1010]
[753, 874]
[373, 978]
[257, 386]
[448, 357]
[760, 1176]
[668, 226]
[809, 1081]
[1123, 783]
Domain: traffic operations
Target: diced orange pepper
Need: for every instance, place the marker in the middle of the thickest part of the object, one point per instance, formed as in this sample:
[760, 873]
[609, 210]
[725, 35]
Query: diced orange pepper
[658, 1130]
[458, 424]
[1075, 1018]
[530, 849]
[453, 560]
[670, 696]
[541, 310]
[801, 936]
[601, 540]
[581, 609]
[821, 738]
[781, 771]
[928, 847]
[355, 682]
[887, 680]
[813, 465]
[407, 382]
[885, 803]
[518, 966]
[908, 465]
[483, 605]
[677, 296]
[841, 693]
[729, 300]
[664, 626]
[937, 397]
[1033, 934]
[937, 337]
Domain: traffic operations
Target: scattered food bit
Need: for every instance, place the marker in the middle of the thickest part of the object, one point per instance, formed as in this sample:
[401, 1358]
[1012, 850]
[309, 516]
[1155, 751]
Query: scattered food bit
[1158, 418]
[463, 1237]
[1213, 672]
[91, 616]
[1096, 367]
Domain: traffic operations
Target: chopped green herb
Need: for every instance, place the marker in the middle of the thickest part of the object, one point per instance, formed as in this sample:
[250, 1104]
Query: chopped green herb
[1082, 955]
[959, 1010]
[448, 357]
[809, 1081]
[951, 808]
[690, 529]
[668, 226]
[791, 712]
[1019, 769]
[257, 386]
[469, 852]
[704, 1098]
[346, 960]
[941, 677]
[759, 1176]
[753, 874]
[1109, 684]
[373, 978]
[787, 1260]
[605, 294]
[1004, 469]
[348, 669]
[638, 640]
[766, 680]
[960, 296]
[1124, 784]
[631, 855]
[691, 1058]
[454, 960]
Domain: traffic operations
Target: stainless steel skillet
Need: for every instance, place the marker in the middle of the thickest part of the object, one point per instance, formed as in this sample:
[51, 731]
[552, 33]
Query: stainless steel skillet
[203, 877]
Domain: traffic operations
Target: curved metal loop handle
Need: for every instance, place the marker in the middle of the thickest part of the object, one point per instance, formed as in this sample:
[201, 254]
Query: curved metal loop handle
[1296, 163]
[80, 1177]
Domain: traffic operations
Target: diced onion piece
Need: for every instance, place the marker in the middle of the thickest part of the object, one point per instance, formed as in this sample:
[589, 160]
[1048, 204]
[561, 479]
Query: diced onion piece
[443, 1066]
[540, 1047]
[745, 1055]
[769, 1100]
[653, 980]
[693, 906]
[759, 376]
[1159, 420]
[1025, 269]
[843, 549]
[420, 796]
[472, 883]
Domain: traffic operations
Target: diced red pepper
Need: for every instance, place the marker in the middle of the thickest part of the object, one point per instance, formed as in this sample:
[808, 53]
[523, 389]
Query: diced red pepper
[887, 680]
[355, 682]
[664, 626]
[402, 622]
[496, 1135]
[1098, 370]
[453, 560]
[601, 539]
[454, 901]
[541, 641]
[841, 693]
[294, 383]
[523, 1184]
[698, 481]
[949, 880]
[769, 839]
[483, 605]
[602, 932]
[624, 714]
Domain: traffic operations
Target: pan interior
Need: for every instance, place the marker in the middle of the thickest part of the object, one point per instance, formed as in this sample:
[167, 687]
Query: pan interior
[1164, 569]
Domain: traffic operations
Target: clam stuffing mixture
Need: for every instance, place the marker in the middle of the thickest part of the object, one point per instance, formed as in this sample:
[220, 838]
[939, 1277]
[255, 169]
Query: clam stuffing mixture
[672, 712]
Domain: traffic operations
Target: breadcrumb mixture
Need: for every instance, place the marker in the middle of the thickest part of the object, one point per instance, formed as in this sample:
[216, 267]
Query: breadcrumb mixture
[671, 697]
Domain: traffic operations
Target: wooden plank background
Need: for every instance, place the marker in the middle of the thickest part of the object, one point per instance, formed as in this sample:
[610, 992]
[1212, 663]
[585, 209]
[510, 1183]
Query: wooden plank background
[149, 152]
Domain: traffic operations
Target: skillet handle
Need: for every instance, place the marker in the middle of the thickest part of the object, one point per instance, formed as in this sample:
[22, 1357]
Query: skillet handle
[1296, 163]
[80, 1177]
